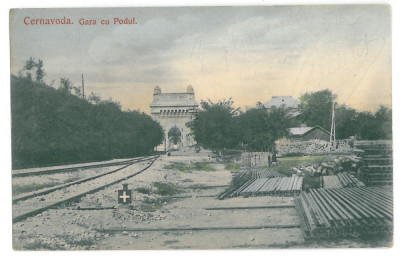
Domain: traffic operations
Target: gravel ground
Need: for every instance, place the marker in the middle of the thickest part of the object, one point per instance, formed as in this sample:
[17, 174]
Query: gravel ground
[60, 178]
[193, 191]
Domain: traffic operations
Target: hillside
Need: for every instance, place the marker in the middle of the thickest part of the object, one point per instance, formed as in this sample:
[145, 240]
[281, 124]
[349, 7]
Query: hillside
[50, 127]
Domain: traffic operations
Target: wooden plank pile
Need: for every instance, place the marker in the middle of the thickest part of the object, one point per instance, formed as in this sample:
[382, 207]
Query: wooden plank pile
[377, 156]
[281, 186]
[345, 212]
[341, 180]
[239, 179]
[257, 174]
[255, 159]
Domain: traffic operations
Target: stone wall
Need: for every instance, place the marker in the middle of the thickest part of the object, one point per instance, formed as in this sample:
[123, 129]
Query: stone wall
[311, 147]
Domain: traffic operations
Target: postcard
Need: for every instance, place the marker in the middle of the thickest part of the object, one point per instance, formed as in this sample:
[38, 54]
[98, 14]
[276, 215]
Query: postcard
[235, 127]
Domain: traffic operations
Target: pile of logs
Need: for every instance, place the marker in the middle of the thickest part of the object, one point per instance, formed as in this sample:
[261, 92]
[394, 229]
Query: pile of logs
[283, 186]
[345, 212]
[377, 156]
[340, 164]
[341, 180]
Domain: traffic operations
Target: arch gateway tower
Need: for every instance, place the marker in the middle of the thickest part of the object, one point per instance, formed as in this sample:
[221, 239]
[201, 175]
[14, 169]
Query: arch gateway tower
[173, 111]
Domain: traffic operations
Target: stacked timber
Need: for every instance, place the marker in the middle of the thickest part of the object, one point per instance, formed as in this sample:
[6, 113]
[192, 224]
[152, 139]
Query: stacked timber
[238, 180]
[282, 186]
[341, 180]
[255, 159]
[345, 212]
[257, 174]
[377, 158]
[331, 182]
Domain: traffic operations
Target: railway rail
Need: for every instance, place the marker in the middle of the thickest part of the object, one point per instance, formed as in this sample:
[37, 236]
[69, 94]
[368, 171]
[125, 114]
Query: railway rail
[70, 167]
[45, 191]
[35, 204]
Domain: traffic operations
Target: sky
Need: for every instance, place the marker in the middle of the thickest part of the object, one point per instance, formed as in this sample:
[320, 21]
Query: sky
[247, 53]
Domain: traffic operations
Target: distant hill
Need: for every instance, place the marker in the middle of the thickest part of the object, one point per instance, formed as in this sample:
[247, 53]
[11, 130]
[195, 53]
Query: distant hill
[51, 126]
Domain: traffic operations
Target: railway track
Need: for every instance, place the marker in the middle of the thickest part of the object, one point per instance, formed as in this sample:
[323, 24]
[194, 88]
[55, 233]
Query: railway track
[45, 191]
[31, 205]
[69, 168]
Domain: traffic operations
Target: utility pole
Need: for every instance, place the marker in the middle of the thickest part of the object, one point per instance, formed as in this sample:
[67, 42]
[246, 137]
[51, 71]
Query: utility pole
[332, 139]
[83, 87]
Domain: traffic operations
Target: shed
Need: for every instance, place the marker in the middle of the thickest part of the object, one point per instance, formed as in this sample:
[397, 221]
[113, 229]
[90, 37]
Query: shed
[308, 133]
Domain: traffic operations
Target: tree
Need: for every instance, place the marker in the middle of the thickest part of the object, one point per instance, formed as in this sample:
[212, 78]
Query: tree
[28, 68]
[316, 108]
[39, 71]
[93, 98]
[174, 134]
[346, 121]
[258, 129]
[65, 85]
[28, 71]
[384, 116]
[212, 126]
[369, 128]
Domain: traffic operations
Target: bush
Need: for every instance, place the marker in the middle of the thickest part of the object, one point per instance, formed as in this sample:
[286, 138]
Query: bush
[51, 127]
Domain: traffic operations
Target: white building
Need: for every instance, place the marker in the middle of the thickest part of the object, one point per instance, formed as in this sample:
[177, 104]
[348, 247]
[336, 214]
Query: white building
[173, 111]
[286, 102]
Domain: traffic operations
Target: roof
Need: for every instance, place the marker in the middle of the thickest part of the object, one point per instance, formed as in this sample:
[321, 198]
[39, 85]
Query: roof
[295, 113]
[296, 131]
[174, 100]
[300, 131]
[282, 102]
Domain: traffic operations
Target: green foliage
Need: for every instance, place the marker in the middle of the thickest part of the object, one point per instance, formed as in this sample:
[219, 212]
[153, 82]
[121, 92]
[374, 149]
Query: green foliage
[65, 85]
[346, 122]
[28, 71]
[316, 108]
[52, 127]
[20, 189]
[196, 166]
[212, 126]
[233, 167]
[143, 191]
[258, 129]
[165, 189]
[174, 134]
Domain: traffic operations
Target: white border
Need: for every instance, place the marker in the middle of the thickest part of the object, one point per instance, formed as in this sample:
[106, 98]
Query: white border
[5, 185]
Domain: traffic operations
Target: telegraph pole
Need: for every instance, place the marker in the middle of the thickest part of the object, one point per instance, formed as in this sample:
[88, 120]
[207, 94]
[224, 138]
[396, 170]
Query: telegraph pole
[83, 87]
[332, 139]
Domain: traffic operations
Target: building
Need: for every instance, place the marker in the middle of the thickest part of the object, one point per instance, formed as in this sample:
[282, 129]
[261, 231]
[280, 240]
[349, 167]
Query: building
[286, 102]
[173, 111]
[297, 134]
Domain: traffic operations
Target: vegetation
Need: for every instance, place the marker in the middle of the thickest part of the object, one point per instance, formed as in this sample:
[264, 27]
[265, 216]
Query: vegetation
[145, 191]
[51, 126]
[213, 125]
[219, 126]
[20, 189]
[165, 189]
[196, 166]
[233, 167]
[316, 108]
[258, 129]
